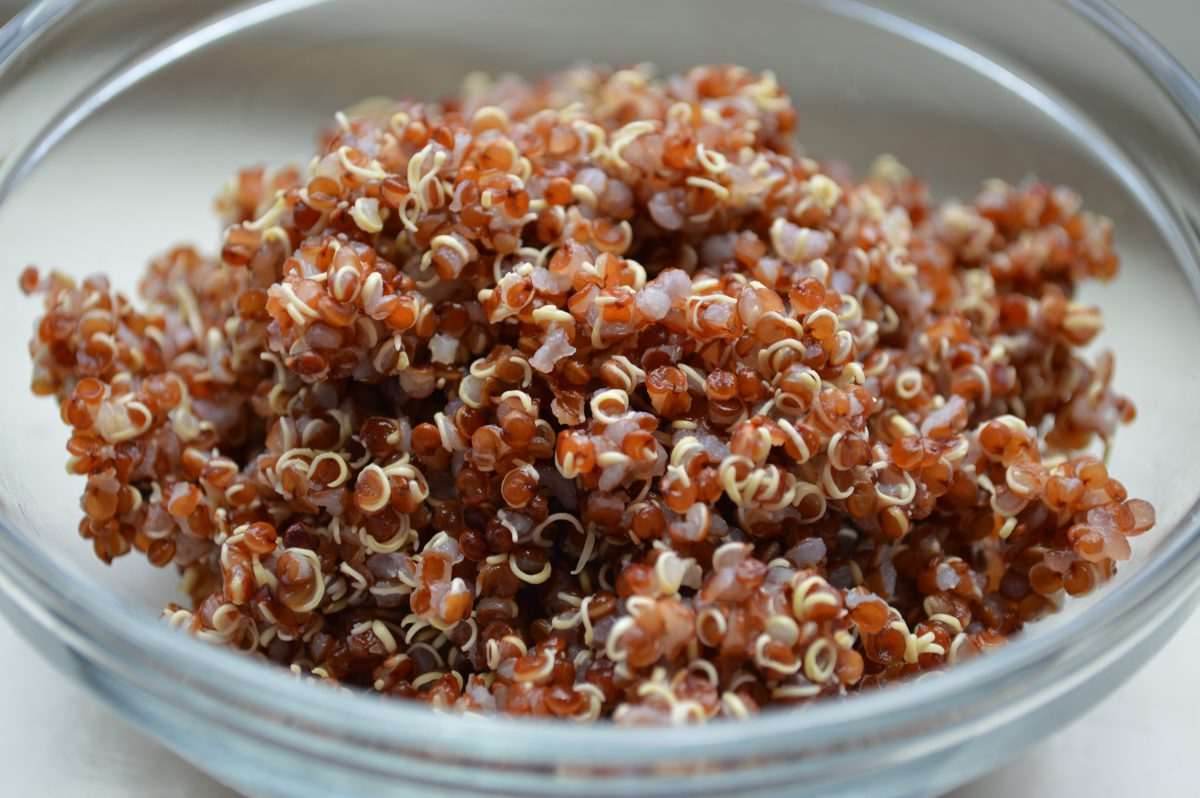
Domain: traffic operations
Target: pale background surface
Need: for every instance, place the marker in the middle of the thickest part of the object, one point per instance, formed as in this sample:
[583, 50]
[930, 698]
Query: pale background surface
[56, 740]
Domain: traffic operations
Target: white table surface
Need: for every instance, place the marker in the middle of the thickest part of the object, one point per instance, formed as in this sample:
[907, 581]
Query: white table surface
[57, 741]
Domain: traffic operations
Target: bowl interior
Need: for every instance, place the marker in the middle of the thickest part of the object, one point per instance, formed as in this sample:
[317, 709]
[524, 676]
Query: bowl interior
[136, 171]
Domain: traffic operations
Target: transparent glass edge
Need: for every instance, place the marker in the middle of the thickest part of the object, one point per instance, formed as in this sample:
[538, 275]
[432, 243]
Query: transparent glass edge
[24, 27]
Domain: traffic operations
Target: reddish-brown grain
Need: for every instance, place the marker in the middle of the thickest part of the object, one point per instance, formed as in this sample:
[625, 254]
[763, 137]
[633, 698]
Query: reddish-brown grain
[592, 398]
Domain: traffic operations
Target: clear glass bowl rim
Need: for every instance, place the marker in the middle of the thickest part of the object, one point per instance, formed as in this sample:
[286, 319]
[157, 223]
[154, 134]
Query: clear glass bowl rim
[96, 623]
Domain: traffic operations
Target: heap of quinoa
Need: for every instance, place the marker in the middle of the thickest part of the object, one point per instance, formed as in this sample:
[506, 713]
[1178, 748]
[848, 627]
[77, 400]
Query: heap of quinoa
[592, 398]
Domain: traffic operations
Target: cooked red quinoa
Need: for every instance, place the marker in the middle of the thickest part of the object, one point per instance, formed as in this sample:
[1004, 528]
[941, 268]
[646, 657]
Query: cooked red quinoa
[591, 397]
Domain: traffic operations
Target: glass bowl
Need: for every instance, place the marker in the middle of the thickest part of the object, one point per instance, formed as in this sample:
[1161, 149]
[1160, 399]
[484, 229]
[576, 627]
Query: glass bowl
[121, 120]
